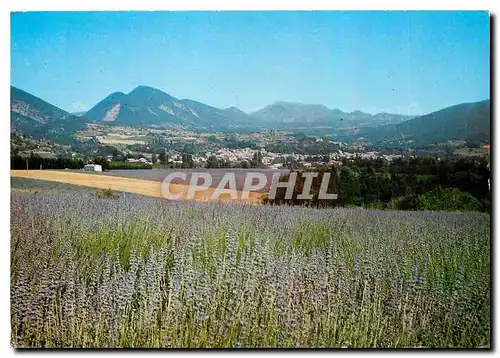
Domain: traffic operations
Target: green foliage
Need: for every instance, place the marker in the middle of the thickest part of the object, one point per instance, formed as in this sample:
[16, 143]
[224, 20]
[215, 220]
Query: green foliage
[448, 199]
[256, 161]
[214, 162]
[377, 204]
[162, 157]
[407, 202]
[396, 185]
[187, 161]
[106, 194]
[127, 165]
[34, 162]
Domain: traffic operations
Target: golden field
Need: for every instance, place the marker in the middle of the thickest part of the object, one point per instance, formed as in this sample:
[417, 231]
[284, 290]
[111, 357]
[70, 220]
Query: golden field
[129, 185]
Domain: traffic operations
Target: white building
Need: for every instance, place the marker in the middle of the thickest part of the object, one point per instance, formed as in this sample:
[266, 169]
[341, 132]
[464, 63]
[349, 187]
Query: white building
[93, 168]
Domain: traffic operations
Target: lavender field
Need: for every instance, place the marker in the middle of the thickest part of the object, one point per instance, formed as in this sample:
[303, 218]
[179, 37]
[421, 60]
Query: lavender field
[142, 272]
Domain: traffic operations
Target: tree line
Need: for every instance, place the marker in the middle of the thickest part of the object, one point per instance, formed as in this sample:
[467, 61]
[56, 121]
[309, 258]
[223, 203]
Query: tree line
[32, 162]
[406, 184]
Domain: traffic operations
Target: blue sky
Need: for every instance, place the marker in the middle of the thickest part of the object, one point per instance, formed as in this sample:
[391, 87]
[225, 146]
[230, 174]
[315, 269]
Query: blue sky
[399, 62]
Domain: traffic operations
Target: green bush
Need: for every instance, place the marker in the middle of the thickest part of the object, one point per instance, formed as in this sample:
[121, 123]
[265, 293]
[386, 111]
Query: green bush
[448, 199]
[377, 204]
[407, 202]
[106, 194]
[127, 165]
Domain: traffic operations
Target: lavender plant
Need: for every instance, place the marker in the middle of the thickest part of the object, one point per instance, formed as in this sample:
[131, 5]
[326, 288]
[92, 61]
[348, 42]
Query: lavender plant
[142, 272]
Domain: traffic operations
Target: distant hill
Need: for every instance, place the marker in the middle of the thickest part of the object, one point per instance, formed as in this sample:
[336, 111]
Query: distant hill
[297, 115]
[150, 106]
[147, 105]
[40, 119]
[467, 121]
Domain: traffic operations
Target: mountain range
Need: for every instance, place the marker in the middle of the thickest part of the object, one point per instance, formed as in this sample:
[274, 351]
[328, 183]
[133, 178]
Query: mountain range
[32, 115]
[150, 106]
[305, 116]
[466, 121]
[146, 106]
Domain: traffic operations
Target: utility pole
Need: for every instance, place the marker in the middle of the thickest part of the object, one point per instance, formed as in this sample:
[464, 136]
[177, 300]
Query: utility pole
[27, 164]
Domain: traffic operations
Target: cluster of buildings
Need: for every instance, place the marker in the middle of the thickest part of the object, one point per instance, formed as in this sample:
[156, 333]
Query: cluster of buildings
[268, 159]
[277, 160]
[363, 155]
[140, 160]
[233, 155]
[246, 154]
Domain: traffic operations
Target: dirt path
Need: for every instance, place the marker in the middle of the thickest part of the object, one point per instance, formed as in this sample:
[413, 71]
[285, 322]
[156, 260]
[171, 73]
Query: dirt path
[130, 185]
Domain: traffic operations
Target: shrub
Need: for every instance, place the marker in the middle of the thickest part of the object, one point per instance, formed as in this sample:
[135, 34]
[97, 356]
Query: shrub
[448, 199]
[106, 194]
[127, 165]
[376, 204]
[407, 202]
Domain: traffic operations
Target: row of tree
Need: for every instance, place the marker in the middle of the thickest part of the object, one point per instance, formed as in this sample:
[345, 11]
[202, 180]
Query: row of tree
[417, 183]
[37, 162]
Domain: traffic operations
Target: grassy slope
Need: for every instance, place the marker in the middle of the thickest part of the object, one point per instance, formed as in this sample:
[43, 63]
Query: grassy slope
[466, 121]
[28, 184]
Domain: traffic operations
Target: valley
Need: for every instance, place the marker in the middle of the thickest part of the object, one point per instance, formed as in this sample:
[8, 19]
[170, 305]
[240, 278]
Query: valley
[148, 123]
[251, 179]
